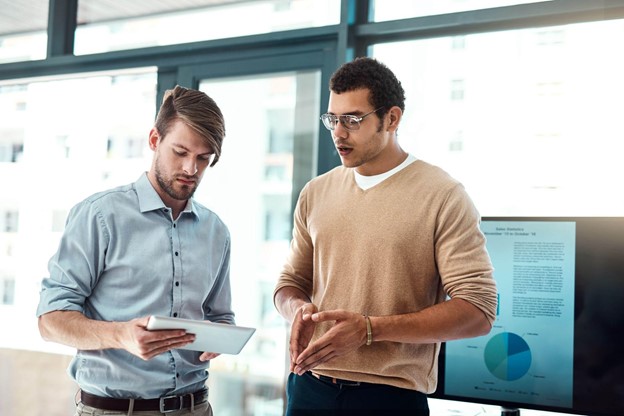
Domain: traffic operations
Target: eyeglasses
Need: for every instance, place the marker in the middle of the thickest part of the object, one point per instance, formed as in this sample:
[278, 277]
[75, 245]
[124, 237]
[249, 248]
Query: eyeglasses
[348, 121]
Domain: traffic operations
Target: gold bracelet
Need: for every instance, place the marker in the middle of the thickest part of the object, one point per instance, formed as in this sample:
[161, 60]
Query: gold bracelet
[369, 330]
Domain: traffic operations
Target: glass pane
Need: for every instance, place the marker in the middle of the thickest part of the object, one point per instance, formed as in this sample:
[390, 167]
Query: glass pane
[109, 26]
[528, 120]
[60, 141]
[250, 188]
[23, 30]
[403, 9]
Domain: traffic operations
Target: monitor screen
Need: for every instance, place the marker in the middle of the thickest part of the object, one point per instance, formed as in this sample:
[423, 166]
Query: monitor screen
[555, 342]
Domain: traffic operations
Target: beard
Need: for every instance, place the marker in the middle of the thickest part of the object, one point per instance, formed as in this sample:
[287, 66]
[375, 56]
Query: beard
[171, 187]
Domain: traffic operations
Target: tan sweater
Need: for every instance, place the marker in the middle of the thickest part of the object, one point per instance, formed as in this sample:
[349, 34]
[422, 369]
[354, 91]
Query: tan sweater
[398, 247]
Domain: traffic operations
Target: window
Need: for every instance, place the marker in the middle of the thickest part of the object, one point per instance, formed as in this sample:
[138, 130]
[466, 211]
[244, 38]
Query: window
[67, 160]
[12, 128]
[533, 116]
[8, 221]
[384, 10]
[458, 42]
[7, 291]
[553, 37]
[109, 25]
[23, 35]
[457, 89]
[10, 151]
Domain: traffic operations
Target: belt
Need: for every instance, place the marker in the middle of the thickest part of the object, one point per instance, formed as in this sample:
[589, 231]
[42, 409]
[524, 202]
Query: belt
[164, 404]
[337, 381]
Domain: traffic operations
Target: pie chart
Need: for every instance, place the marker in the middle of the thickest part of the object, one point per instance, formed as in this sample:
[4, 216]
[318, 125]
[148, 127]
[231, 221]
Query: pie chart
[507, 356]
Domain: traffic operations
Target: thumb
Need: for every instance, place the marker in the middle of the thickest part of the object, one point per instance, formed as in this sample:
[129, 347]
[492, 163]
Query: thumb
[307, 310]
[142, 321]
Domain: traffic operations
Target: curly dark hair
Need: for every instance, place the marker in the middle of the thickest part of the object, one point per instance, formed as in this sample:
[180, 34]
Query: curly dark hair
[385, 89]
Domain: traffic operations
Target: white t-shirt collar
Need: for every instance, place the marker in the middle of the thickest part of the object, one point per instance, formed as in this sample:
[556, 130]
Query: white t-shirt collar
[367, 182]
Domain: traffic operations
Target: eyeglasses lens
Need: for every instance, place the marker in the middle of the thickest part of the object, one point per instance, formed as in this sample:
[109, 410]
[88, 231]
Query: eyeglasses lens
[349, 122]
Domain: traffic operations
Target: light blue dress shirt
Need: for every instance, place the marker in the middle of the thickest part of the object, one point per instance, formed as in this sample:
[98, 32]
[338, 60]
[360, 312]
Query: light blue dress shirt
[123, 256]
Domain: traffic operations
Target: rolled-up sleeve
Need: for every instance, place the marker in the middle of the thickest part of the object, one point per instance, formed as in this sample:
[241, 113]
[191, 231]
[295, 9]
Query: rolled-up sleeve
[79, 260]
[463, 261]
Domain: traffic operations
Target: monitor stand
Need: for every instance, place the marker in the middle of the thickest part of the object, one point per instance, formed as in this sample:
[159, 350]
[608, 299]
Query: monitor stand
[510, 411]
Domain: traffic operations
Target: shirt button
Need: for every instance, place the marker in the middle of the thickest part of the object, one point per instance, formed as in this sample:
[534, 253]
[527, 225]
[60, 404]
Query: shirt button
[177, 283]
[176, 253]
[175, 314]
[174, 226]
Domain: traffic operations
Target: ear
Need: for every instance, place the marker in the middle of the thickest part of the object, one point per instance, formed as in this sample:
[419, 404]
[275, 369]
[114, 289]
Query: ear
[394, 118]
[154, 138]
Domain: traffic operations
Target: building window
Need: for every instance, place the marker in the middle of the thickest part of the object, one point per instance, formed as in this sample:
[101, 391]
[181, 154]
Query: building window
[457, 89]
[550, 37]
[458, 42]
[456, 144]
[9, 221]
[11, 152]
[7, 291]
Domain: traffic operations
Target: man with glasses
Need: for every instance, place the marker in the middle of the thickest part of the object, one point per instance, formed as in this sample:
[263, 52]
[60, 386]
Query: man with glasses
[144, 249]
[386, 262]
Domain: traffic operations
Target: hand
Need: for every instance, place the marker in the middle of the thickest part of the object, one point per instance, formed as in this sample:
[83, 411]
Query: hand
[145, 344]
[301, 331]
[347, 334]
[207, 356]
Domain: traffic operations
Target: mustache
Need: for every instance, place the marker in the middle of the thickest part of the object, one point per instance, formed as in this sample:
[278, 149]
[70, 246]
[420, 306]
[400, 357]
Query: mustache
[187, 177]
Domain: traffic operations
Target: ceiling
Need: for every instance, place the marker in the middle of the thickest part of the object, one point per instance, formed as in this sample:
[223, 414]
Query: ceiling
[23, 16]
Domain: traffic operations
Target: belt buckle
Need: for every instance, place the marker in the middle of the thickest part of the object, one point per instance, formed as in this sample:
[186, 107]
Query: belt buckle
[161, 404]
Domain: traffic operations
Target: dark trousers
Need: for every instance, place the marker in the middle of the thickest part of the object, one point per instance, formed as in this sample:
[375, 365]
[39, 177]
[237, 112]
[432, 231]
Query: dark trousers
[308, 395]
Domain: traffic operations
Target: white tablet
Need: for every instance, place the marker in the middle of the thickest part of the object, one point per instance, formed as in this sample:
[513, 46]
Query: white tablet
[209, 336]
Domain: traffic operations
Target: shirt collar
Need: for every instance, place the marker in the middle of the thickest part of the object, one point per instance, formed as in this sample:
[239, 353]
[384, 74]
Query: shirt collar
[149, 200]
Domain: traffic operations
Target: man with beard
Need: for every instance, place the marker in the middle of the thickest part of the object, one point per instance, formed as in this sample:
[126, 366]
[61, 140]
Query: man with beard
[144, 249]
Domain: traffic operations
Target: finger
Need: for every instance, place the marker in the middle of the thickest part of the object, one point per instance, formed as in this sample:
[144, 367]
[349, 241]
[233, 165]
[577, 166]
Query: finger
[168, 346]
[149, 354]
[170, 343]
[313, 352]
[314, 360]
[329, 316]
[293, 358]
[167, 334]
[295, 350]
[298, 339]
[294, 343]
[142, 321]
[206, 356]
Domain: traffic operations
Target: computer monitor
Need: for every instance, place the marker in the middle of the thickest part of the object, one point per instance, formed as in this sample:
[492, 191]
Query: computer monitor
[556, 342]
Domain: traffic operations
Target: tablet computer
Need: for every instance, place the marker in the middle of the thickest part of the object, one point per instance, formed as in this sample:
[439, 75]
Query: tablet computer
[209, 336]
